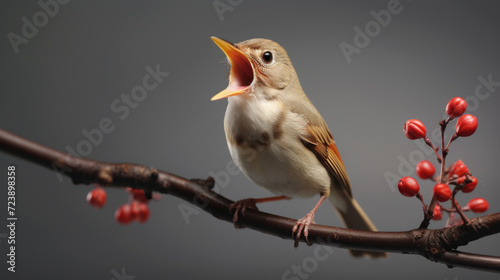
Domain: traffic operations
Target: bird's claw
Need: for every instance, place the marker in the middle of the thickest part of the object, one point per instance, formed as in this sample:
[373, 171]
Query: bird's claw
[241, 206]
[302, 226]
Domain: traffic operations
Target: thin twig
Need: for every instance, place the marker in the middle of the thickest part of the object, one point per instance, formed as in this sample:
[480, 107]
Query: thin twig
[454, 203]
[429, 143]
[421, 198]
[442, 160]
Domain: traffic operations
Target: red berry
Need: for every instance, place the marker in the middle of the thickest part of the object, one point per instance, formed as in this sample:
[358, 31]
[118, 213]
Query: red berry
[139, 211]
[97, 197]
[414, 129]
[466, 125]
[143, 213]
[437, 215]
[123, 214]
[441, 192]
[456, 107]
[470, 186]
[425, 169]
[134, 210]
[139, 195]
[408, 186]
[458, 168]
[478, 205]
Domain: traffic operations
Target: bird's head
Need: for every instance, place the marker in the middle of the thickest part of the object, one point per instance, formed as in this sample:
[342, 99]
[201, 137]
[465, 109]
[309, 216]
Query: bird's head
[259, 67]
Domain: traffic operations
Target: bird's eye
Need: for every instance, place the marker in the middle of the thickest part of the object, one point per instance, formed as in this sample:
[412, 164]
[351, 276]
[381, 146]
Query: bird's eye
[267, 57]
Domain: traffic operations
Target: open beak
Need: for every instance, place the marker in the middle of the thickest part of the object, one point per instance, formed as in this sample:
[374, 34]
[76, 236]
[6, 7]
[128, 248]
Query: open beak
[241, 76]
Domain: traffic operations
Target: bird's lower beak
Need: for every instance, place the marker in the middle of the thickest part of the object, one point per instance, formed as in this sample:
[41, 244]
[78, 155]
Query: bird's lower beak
[241, 75]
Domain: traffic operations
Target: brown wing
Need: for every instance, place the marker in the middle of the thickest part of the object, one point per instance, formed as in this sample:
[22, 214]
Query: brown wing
[320, 141]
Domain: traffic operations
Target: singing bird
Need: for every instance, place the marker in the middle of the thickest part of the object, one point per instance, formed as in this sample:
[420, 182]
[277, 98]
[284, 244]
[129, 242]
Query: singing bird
[278, 138]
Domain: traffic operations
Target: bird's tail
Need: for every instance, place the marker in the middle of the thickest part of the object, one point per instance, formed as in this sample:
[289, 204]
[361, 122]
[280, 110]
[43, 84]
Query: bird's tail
[354, 217]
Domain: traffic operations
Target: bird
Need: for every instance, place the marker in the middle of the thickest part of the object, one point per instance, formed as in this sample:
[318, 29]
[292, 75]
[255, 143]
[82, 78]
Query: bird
[278, 138]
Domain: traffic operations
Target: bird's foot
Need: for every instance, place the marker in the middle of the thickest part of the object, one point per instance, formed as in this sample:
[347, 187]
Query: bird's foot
[241, 206]
[302, 226]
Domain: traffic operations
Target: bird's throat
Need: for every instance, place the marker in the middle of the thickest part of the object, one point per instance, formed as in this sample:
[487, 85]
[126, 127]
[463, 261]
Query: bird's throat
[252, 122]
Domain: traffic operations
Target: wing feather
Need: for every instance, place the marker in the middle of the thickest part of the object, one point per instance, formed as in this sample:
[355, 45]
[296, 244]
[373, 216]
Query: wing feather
[320, 141]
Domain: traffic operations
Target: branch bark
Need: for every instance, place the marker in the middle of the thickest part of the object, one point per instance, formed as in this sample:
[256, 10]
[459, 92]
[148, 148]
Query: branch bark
[436, 245]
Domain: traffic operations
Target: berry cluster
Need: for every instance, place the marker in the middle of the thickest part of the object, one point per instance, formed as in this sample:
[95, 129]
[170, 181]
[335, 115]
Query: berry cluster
[135, 210]
[457, 174]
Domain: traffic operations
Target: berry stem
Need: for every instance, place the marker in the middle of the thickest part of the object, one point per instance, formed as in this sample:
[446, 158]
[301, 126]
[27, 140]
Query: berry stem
[429, 143]
[421, 198]
[453, 138]
[444, 152]
[457, 206]
[449, 210]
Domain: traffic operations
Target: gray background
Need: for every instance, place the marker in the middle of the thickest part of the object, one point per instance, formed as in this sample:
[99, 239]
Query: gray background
[91, 52]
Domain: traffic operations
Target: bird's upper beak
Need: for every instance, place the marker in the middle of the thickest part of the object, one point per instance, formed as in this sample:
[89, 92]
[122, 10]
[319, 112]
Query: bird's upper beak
[242, 74]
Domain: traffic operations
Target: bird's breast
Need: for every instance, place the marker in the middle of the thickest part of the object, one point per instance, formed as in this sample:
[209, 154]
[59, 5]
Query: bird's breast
[253, 123]
[264, 141]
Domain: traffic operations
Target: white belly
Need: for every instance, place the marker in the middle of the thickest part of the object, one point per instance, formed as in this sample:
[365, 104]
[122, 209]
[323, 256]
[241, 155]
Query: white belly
[283, 172]
[283, 166]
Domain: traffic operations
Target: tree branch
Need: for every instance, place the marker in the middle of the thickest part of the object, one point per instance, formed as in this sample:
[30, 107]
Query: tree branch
[437, 245]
